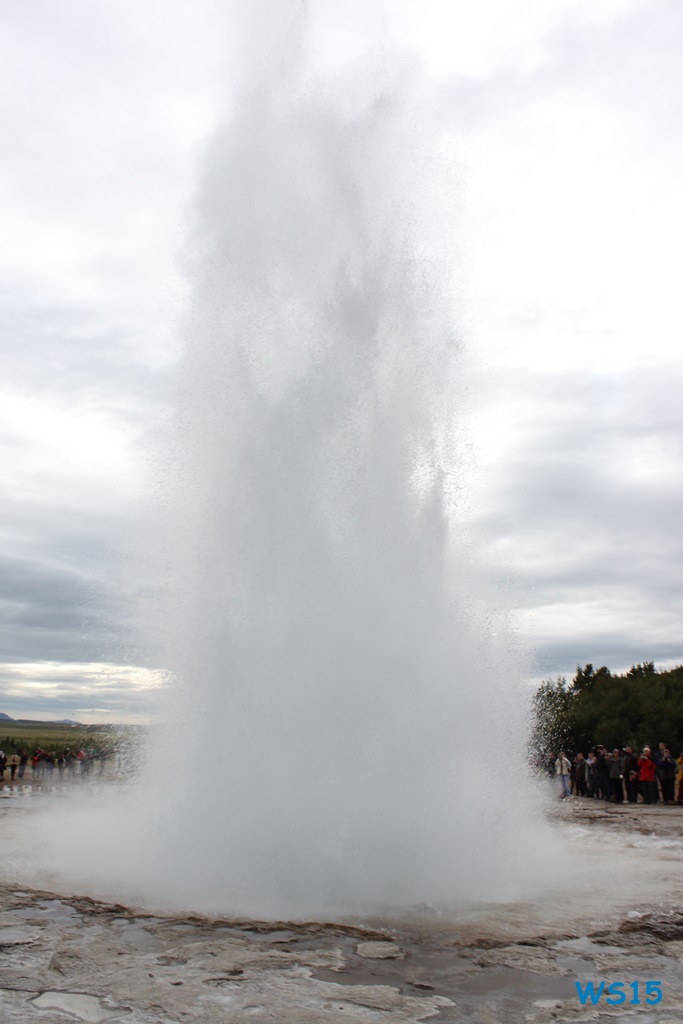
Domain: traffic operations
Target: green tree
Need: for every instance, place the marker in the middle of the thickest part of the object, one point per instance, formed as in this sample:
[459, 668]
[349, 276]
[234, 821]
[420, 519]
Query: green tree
[552, 718]
[639, 706]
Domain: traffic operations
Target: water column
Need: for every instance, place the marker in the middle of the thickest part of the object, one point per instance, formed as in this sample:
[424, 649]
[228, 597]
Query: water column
[349, 717]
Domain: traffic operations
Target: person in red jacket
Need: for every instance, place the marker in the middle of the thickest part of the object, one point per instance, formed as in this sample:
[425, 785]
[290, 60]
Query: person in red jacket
[648, 774]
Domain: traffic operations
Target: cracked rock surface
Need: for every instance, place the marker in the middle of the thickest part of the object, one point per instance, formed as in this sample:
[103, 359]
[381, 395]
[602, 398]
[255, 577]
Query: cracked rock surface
[74, 959]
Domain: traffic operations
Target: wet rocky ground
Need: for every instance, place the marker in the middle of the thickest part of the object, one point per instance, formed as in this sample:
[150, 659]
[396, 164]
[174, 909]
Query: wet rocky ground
[71, 958]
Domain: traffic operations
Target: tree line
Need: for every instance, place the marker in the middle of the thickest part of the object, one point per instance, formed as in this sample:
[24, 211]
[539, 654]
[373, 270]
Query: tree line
[640, 706]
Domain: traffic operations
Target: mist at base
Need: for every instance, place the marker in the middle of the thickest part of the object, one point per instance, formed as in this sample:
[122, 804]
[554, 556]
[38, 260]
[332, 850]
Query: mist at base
[97, 840]
[70, 842]
[344, 727]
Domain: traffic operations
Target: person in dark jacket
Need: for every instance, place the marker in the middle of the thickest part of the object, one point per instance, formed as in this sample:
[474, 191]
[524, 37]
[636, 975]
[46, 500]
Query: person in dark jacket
[601, 784]
[616, 777]
[666, 770]
[658, 757]
[579, 766]
[590, 773]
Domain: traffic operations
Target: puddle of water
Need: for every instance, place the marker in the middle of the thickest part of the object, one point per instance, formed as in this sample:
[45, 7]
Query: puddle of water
[19, 936]
[86, 1008]
[420, 973]
[138, 934]
[454, 977]
[519, 985]
[576, 965]
[586, 945]
[136, 922]
[358, 977]
[49, 910]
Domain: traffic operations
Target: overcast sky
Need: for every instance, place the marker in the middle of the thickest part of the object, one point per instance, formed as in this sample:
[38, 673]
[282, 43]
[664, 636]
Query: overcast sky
[568, 124]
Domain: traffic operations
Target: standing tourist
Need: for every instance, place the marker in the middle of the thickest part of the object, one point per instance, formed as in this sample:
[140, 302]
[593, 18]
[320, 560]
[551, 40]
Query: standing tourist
[616, 777]
[658, 757]
[562, 770]
[679, 778]
[648, 771]
[13, 765]
[580, 775]
[631, 775]
[601, 784]
[590, 773]
[666, 769]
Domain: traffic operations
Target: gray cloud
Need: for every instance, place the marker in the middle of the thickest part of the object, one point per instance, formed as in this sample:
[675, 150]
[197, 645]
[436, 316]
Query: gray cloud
[52, 613]
[585, 512]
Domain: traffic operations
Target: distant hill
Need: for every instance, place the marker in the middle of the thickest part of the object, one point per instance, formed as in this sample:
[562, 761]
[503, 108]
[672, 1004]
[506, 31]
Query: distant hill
[42, 723]
[5, 718]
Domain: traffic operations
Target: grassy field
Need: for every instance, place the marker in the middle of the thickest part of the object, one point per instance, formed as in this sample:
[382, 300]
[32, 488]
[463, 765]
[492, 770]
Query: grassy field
[14, 736]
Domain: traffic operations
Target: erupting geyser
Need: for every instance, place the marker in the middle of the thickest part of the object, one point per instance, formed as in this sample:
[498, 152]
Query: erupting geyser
[335, 675]
[344, 730]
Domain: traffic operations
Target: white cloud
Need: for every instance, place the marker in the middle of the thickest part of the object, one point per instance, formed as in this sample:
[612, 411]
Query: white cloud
[85, 692]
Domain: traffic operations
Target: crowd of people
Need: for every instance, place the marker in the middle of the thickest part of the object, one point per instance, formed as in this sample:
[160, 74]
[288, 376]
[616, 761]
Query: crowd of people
[620, 775]
[45, 765]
